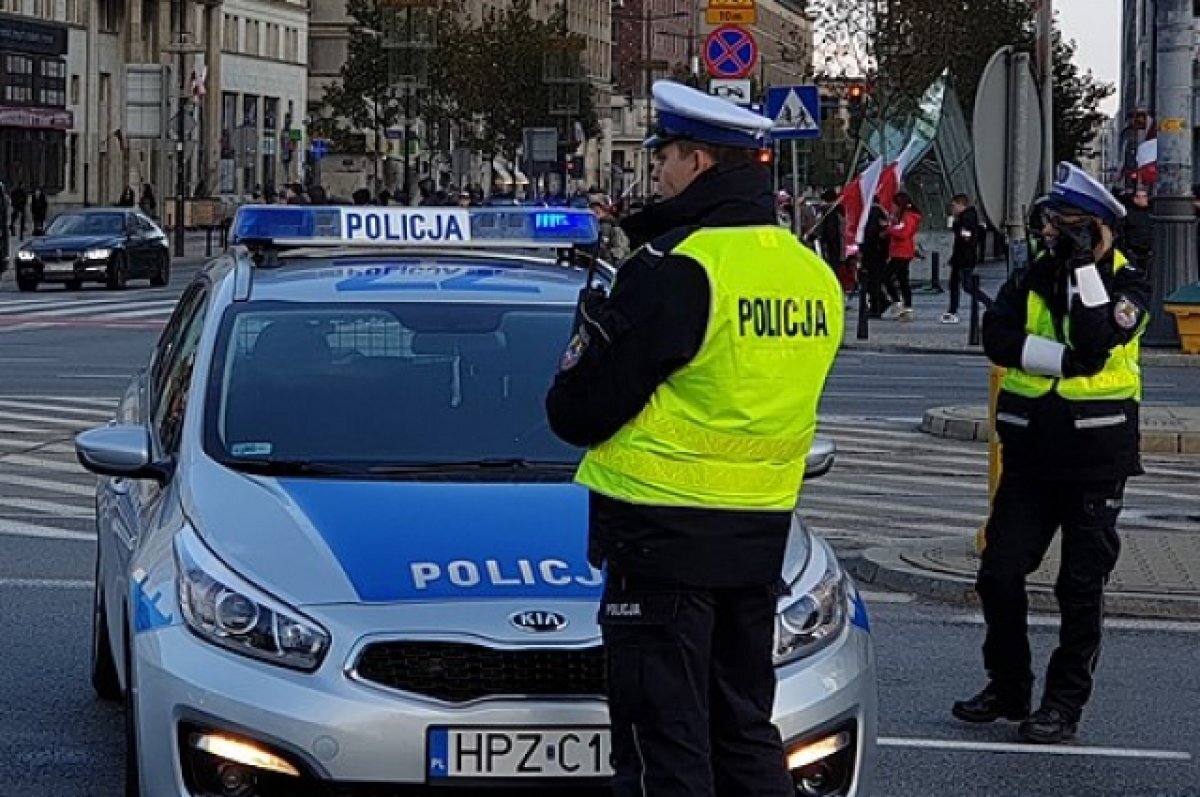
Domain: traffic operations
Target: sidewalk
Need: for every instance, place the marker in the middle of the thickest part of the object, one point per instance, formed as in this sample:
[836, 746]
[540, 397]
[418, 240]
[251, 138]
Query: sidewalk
[1157, 576]
[925, 333]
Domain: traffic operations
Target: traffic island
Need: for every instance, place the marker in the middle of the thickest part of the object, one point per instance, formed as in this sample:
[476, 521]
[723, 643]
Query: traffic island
[1165, 430]
[1157, 576]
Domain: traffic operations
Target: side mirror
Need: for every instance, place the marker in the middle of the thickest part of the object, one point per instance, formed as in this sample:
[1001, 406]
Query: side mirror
[820, 457]
[123, 451]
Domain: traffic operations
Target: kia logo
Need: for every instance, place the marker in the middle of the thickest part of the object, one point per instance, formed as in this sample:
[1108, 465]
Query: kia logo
[538, 621]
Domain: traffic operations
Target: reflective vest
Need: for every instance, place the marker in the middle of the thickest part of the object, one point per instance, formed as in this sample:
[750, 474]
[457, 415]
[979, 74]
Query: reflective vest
[1120, 379]
[731, 429]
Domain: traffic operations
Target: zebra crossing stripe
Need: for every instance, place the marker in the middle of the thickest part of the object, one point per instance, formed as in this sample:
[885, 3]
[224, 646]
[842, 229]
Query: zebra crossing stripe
[79, 511]
[16, 529]
[46, 485]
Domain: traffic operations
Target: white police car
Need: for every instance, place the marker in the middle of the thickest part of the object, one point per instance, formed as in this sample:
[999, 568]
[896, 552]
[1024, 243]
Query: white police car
[340, 552]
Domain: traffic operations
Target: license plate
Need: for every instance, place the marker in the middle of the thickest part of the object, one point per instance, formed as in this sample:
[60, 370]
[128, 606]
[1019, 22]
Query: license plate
[60, 268]
[519, 753]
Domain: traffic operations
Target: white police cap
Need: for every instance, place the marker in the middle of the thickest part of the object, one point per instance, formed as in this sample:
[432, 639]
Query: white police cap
[686, 113]
[1074, 188]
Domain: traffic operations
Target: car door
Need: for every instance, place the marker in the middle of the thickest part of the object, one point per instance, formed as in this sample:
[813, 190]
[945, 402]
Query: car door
[162, 401]
[135, 246]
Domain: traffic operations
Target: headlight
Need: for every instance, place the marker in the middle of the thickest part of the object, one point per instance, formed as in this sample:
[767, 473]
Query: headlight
[97, 254]
[222, 608]
[25, 254]
[814, 620]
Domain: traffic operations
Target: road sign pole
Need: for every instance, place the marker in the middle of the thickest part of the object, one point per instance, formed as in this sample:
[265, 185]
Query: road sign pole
[1018, 146]
[797, 224]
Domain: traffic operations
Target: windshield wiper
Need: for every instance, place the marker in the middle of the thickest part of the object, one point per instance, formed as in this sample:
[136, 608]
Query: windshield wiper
[290, 467]
[496, 464]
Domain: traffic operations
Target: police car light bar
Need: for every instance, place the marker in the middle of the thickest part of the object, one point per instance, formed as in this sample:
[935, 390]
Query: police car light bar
[510, 227]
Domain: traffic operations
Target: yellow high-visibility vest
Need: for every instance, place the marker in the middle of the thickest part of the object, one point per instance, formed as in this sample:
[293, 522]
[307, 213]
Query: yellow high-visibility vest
[731, 429]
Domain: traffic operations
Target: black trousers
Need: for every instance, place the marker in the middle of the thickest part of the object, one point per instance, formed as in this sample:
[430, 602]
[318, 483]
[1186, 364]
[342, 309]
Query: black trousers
[691, 685]
[896, 283]
[1026, 513]
[962, 279]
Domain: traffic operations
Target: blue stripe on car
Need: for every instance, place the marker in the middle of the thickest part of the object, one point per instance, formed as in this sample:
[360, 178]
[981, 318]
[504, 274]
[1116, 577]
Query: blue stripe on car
[399, 541]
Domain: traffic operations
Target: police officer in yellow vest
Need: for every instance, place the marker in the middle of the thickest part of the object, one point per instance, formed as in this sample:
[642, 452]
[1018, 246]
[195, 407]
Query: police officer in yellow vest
[1067, 331]
[695, 387]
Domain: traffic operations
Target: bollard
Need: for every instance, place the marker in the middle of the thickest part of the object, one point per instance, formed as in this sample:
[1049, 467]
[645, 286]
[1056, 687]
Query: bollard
[863, 331]
[208, 231]
[995, 377]
[973, 338]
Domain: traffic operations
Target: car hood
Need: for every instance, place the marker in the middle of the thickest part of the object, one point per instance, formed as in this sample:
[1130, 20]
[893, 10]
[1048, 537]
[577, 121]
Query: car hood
[324, 541]
[73, 243]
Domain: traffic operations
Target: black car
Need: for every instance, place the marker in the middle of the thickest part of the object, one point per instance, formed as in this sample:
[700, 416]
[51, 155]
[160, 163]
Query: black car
[109, 245]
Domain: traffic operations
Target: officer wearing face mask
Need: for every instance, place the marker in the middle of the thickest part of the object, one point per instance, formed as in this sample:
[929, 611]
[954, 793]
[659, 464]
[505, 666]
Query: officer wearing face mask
[694, 386]
[1067, 330]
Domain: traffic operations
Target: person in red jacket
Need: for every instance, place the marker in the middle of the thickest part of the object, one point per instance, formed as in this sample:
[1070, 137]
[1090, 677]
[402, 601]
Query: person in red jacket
[902, 248]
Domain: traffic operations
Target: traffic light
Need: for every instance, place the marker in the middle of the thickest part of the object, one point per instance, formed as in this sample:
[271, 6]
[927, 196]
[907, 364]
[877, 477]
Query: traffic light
[856, 100]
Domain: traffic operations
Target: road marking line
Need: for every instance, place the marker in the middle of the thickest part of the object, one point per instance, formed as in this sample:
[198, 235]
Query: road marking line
[48, 486]
[11, 528]
[1037, 749]
[1110, 623]
[100, 413]
[92, 400]
[49, 507]
[20, 416]
[42, 463]
[51, 583]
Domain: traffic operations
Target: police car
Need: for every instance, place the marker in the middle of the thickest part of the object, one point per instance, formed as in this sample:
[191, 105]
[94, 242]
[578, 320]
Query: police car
[340, 552]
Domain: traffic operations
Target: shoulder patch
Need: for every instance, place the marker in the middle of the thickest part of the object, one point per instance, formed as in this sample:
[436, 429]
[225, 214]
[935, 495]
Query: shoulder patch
[1126, 314]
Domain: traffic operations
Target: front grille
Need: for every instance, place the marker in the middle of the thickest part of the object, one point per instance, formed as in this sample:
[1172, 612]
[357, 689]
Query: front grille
[457, 672]
[54, 257]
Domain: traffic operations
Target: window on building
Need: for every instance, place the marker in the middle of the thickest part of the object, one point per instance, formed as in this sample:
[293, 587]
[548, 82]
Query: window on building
[105, 87]
[229, 36]
[76, 11]
[228, 122]
[272, 50]
[56, 69]
[18, 65]
[253, 45]
[18, 94]
[110, 16]
[52, 97]
[270, 113]
[74, 89]
[250, 110]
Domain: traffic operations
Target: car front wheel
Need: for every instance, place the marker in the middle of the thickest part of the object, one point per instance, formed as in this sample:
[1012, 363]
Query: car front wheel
[162, 272]
[26, 285]
[118, 273]
[104, 669]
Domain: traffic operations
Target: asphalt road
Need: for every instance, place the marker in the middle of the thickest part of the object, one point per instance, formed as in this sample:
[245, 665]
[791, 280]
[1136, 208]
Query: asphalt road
[62, 363]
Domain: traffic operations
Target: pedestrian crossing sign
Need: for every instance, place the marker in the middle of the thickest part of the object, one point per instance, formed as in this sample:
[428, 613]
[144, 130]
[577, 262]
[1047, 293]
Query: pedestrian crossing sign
[795, 110]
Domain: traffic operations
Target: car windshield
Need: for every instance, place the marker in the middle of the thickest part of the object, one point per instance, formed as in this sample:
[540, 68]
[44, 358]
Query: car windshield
[88, 224]
[385, 388]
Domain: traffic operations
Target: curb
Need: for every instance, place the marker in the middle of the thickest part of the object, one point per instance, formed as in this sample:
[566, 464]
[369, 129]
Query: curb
[970, 423]
[1165, 359]
[883, 567]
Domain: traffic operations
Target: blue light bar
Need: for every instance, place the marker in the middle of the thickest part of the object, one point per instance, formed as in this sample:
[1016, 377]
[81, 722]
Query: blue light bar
[492, 228]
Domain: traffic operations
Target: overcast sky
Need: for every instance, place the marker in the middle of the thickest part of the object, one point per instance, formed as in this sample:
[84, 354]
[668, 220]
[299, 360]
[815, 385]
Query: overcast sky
[1095, 25]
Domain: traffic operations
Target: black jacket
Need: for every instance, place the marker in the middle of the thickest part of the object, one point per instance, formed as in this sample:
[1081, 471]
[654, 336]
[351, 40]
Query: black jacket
[653, 324]
[966, 239]
[1050, 436]
[875, 241]
[1136, 238]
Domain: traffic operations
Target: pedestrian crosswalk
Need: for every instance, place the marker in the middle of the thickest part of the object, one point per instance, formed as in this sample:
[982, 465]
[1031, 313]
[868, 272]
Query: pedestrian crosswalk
[890, 482]
[140, 309]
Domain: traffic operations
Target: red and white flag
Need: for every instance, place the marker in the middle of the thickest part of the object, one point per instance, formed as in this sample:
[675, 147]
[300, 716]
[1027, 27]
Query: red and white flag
[856, 199]
[1147, 158]
[878, 181]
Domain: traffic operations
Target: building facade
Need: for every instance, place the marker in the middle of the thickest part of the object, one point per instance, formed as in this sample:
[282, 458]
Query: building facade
[655, 39]
[330, 30]
[89, 93]
[1139, 81]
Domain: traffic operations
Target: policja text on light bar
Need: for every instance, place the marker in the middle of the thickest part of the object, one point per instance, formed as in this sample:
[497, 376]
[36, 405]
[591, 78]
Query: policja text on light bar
[405, 226]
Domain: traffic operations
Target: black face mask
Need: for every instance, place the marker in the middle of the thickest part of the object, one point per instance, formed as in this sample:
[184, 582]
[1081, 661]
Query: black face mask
[1076, 240]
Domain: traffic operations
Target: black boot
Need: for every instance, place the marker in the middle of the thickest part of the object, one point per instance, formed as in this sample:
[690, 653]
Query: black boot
[989, 706]
[1048, 726]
